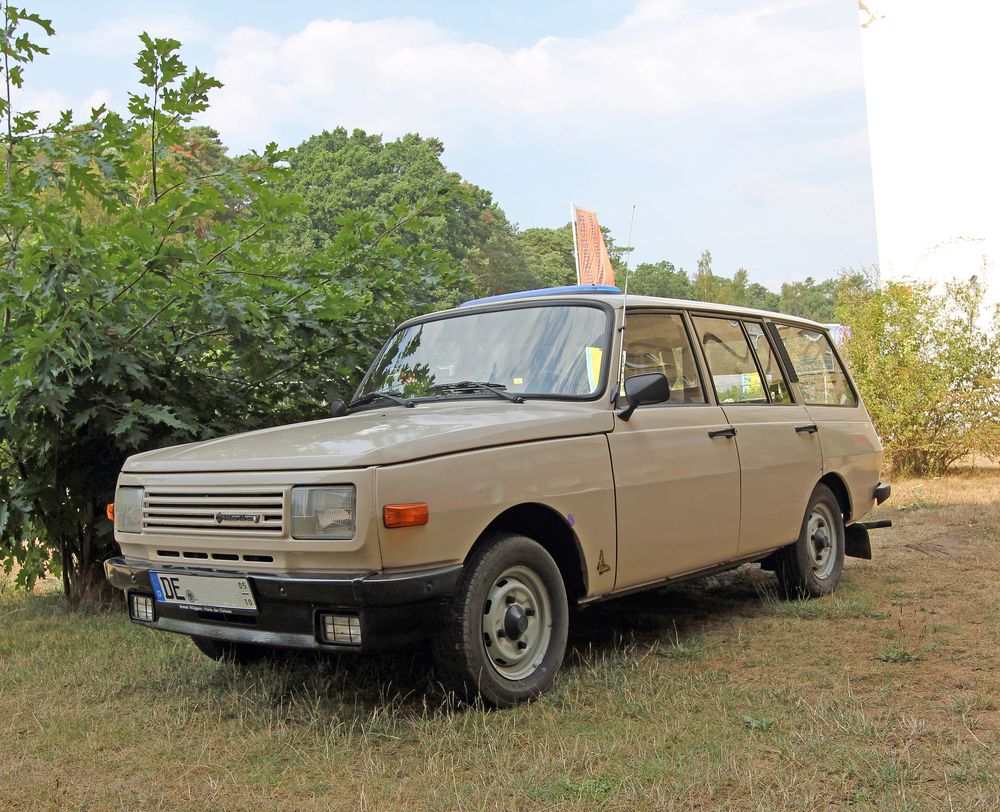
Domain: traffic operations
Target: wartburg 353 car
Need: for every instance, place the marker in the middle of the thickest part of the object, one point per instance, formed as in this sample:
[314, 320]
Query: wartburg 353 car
[501, 462]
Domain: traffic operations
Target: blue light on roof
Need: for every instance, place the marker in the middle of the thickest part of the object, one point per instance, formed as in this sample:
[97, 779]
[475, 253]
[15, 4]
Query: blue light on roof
[570, 290]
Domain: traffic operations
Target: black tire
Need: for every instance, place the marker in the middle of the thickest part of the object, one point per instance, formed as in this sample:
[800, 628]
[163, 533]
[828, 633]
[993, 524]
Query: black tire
[813, 565]
[518, 659]
[243, 653]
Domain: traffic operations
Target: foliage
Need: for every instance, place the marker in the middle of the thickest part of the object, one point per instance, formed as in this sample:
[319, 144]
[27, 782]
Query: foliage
[337, 172]
[661, 279]
[144, 303]
[929, 374]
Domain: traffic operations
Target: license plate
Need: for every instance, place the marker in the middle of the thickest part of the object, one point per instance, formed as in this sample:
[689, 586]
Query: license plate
[203, 592]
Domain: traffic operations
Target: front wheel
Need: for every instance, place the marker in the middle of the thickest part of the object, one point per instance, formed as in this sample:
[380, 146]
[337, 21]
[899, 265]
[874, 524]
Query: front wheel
[504, 632]
[813, 565]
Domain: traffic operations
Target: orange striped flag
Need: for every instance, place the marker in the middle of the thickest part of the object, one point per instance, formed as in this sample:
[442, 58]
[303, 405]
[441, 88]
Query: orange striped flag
[593, 265]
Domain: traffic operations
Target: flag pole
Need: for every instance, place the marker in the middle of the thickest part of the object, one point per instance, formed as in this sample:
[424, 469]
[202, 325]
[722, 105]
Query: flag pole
[576, 250]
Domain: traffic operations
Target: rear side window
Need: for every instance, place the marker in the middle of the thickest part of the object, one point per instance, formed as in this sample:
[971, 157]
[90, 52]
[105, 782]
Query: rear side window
[658, 342]
[822, 379]
[730, 361]
[776, 386]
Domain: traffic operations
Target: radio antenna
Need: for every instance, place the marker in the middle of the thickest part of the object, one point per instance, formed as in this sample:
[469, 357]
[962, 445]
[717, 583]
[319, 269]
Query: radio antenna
[621, 330]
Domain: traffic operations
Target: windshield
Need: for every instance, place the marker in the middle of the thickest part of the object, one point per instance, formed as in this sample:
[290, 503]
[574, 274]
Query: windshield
[542, 350]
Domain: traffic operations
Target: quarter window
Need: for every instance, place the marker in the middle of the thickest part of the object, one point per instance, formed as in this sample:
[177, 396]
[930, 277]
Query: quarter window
[658, 342]
[730, 361]
[822, 380]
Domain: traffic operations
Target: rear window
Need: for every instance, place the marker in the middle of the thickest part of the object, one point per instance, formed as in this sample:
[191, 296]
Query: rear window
[822, 380]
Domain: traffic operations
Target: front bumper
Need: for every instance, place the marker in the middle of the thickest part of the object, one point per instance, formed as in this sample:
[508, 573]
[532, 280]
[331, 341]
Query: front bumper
[394, 609]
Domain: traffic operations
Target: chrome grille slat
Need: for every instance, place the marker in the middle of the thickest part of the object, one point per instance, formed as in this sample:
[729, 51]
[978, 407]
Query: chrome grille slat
[222, 500]
[193, 512]
[200, 521]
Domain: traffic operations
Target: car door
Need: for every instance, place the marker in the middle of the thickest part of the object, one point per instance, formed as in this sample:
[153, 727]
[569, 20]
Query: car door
[677, 488]
[851, 448]
[780, 456]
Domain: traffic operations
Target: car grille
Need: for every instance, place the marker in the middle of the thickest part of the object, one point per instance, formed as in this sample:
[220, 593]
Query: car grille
[214, 512]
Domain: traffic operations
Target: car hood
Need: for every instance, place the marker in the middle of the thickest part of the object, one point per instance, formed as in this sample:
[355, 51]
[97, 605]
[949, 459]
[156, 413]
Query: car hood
[380, 437]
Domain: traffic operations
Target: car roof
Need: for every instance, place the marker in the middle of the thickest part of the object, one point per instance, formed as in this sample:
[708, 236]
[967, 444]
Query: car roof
[580, 295]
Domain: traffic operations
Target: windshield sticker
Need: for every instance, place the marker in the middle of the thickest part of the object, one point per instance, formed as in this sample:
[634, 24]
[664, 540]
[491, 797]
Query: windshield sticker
[594, 355]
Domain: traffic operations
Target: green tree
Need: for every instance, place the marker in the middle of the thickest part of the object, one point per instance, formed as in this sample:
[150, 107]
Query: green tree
[548, 253]
[930, 376]
[707, 286]
[144, 303]
[337, 172]
[661, 279]
[810, 299]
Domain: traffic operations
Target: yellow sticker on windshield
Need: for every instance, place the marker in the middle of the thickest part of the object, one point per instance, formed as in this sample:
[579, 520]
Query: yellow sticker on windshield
[594, 355]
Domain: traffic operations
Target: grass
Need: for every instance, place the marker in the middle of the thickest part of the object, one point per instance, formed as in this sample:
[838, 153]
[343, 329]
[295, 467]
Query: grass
[711, 695]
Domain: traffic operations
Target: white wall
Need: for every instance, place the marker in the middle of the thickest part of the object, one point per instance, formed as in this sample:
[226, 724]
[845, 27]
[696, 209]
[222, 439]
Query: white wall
[932, 71]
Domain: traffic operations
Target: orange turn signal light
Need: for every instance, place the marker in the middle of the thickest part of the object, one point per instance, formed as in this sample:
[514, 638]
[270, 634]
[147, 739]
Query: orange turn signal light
[110, 511]
[411, 515]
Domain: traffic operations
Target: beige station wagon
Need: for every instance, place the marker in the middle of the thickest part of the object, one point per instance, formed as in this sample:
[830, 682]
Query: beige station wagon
[500, 462]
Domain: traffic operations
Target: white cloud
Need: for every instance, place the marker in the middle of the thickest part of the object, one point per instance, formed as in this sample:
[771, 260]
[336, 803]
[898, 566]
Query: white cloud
[120, 37]
[401, 74]
[51, 103]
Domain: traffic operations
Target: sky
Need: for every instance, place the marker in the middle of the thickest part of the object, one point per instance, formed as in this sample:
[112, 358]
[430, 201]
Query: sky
[934, 134]
[737, 126]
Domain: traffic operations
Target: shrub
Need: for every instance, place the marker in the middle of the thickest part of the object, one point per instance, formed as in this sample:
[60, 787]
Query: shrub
[928, 371]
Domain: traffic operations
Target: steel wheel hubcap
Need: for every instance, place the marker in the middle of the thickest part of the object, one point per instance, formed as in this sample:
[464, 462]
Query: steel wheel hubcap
[517, 622]
[821, 540]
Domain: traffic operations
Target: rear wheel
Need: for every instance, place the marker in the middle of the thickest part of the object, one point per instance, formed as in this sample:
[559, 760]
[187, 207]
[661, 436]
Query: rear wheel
[244, 653]
[504, 632]
[813, 565]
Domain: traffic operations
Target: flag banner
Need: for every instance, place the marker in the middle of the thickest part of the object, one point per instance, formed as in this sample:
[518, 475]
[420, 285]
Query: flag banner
[593, 265]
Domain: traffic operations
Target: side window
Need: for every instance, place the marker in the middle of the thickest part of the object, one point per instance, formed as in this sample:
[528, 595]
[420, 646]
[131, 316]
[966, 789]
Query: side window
[822, 379]
[730, 361]
[777, 388]
[658, 342]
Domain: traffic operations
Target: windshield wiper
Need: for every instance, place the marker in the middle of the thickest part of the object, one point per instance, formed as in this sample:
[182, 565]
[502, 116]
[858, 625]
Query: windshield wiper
[496, 388]
[371, 397]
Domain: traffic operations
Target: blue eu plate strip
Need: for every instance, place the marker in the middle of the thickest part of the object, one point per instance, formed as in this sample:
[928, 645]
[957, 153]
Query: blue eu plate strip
[154, 580]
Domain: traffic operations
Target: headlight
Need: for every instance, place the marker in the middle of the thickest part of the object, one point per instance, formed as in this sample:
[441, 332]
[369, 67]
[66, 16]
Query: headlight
[128, 510]
[323, 513]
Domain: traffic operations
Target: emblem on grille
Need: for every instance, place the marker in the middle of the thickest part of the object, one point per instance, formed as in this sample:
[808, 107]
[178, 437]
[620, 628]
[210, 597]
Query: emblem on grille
[242, 518]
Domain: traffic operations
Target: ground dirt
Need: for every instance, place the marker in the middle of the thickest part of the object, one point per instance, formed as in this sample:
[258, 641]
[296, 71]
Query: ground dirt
[713, 695]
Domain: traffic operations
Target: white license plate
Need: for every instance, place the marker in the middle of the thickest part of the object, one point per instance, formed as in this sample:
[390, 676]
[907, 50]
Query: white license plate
[203, 591]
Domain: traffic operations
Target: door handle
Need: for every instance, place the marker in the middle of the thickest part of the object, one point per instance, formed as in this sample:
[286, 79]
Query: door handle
[812, 428]
[728, 431]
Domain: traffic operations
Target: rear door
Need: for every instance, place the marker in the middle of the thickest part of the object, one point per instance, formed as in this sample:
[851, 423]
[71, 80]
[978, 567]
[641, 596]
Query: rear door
[851, 447]
[780, 455]
[677, 488]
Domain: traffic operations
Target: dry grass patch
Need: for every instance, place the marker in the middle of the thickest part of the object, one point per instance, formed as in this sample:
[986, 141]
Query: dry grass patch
[711, 695]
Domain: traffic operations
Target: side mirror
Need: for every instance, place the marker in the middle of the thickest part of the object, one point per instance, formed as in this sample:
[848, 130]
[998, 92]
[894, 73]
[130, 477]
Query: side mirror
[337, 408]
[642, 390]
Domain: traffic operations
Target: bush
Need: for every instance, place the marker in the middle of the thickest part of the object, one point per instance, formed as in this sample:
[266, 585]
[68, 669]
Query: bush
[928, 371]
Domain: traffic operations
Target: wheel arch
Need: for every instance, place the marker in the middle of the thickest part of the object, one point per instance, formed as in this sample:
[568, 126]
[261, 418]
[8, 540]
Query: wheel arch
[550, 529]
[836, 484]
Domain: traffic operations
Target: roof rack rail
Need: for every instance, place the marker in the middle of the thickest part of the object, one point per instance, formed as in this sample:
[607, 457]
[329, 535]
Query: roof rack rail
[566, 290]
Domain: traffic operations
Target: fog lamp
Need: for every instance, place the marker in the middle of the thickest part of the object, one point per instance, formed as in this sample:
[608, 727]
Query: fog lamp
[343, 629]
[140, 607]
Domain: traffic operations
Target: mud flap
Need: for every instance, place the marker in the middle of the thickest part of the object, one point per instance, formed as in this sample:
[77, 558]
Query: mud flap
[857, 543]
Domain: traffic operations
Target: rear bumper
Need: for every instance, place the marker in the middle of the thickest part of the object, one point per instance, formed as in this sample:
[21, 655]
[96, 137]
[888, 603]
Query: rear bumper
[882, 492]
[394, 609]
